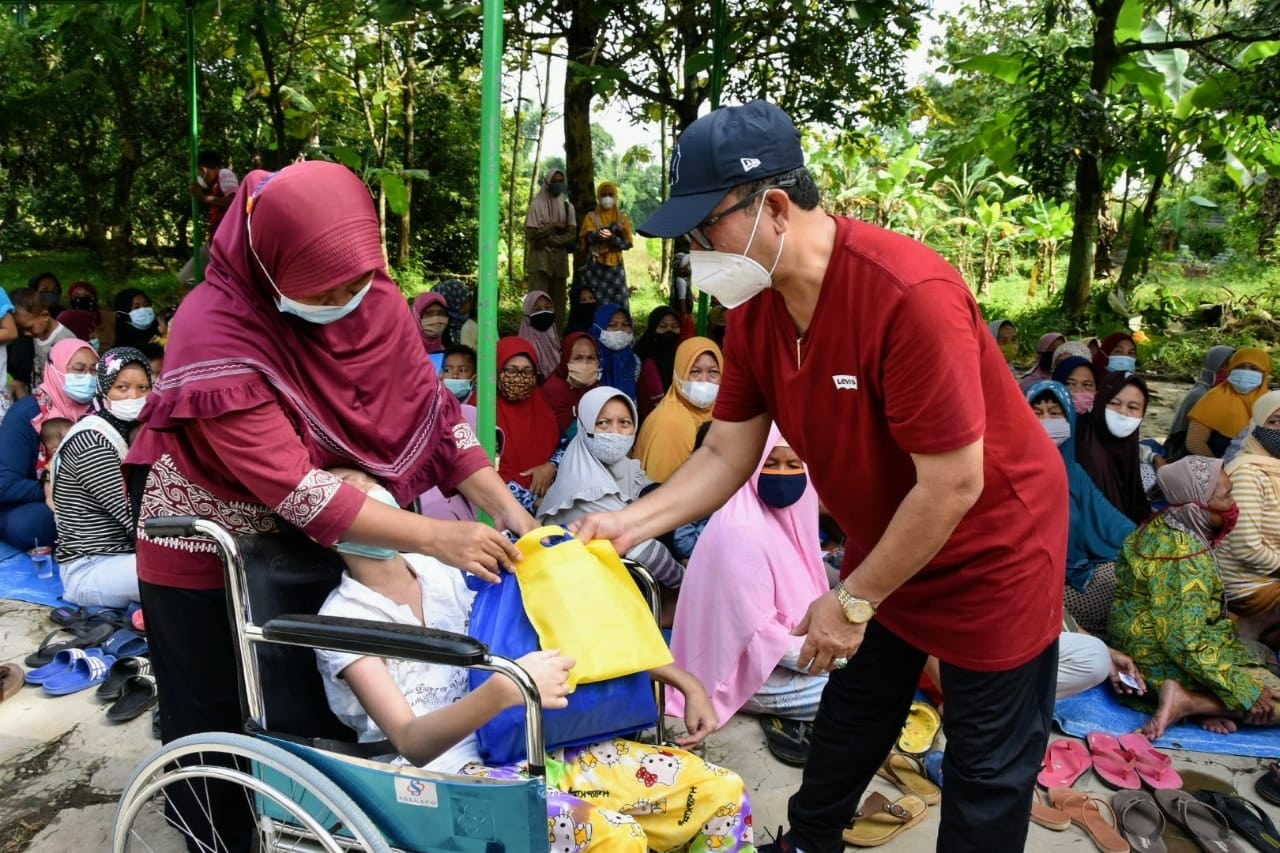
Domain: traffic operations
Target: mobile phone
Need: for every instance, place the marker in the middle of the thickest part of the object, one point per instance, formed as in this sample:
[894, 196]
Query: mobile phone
[1129, 681]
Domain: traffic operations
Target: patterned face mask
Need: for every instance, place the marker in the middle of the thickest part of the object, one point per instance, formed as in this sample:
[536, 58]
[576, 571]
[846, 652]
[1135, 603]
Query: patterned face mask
[516, 389]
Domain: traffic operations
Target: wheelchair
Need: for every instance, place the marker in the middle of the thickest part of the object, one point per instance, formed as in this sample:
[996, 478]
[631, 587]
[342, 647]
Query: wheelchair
[309, 785]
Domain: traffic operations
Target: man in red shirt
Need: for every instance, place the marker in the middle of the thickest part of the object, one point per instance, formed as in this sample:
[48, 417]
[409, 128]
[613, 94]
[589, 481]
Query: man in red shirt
[871, 355]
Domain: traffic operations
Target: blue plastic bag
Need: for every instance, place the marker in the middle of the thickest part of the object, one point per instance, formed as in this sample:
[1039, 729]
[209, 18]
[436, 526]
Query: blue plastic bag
[596, 712]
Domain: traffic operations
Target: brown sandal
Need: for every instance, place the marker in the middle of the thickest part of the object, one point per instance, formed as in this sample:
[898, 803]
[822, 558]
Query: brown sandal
[880, 821]
[11, 680]
[1047, 816]
[907, 774]
[1090, 814]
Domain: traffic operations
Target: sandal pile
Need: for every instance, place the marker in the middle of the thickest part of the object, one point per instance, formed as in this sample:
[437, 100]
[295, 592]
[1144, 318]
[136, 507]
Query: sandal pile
[104, 648]
[1134, 819]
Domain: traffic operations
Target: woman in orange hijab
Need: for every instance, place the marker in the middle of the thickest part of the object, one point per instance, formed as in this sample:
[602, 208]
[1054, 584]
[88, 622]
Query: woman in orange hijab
[605, 234]
[668, 435]
[1227, 409]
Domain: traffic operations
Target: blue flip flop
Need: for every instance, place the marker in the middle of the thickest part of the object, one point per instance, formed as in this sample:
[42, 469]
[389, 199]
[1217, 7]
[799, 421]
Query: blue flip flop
[62, 662]
[125, 644]
[85, 673]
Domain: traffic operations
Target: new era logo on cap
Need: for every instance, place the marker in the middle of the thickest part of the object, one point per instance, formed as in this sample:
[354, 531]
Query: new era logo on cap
[749, 163]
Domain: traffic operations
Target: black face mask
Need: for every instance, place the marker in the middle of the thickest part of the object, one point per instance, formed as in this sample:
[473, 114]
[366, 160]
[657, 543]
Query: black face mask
[542, 320]
[49, 298]
[84, 303]
[667, 340]
[1269, 439]
[556, 189]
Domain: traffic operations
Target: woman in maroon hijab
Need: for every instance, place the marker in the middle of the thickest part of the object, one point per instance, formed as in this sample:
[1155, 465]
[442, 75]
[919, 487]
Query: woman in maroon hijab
[300, 357]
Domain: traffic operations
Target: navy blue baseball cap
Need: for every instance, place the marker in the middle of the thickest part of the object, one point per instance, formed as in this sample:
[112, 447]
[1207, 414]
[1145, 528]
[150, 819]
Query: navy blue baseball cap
[723, 149]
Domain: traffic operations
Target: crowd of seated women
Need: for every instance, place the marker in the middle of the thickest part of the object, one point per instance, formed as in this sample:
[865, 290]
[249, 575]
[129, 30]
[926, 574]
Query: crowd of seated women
[590, 417]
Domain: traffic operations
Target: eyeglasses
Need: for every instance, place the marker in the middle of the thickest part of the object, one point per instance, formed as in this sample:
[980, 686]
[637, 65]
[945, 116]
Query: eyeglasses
[699, 232]
[526, 373]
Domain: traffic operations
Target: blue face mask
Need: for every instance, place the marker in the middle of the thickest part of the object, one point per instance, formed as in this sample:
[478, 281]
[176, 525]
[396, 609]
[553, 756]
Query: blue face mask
[1122, 364]
[80, 386]
[460, 388]
[142, 318]
[96, 344]
[781, 490]
[373, 552]
[1245, 380]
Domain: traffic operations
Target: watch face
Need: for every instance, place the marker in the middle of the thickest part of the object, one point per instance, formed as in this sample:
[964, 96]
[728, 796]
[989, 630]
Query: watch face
[859, 611]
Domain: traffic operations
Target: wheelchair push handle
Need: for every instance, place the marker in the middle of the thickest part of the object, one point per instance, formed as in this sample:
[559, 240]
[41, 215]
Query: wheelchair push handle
[171, 527]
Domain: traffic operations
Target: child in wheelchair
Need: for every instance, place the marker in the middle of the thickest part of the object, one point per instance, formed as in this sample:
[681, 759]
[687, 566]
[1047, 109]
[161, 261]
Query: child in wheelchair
[618, 794]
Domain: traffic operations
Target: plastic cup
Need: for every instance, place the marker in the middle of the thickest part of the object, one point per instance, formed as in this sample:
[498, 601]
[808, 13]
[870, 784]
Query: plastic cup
[42, 557]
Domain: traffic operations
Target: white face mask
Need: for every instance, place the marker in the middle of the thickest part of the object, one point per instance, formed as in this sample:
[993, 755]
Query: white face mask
[608, 202]
[617, 340]
[127, 410]
[1057, 428]
[700, 394]
[733, 279]
[1121, 426]
[610, 447]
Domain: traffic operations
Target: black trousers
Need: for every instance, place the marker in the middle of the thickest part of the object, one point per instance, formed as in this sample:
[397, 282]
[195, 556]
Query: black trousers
[193, 661]
[997, 727]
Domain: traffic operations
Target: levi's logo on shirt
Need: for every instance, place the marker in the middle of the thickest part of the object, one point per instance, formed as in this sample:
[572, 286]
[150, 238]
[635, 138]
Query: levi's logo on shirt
[845, 382]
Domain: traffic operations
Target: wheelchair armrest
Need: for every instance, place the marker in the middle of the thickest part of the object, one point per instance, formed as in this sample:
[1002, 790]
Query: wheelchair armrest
[383, 639]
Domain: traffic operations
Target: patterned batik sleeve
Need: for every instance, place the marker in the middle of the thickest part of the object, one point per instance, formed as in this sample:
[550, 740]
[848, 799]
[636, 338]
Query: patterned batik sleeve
[1186, 600]
[261, 450]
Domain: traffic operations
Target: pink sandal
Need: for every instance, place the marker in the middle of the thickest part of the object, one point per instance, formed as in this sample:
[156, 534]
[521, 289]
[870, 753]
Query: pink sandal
[1153, 766]
[1065, 761]
[1112, 763]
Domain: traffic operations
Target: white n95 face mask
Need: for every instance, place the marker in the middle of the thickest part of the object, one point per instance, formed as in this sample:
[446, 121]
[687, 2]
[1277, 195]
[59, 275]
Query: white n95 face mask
[733, 279]
[700, 394]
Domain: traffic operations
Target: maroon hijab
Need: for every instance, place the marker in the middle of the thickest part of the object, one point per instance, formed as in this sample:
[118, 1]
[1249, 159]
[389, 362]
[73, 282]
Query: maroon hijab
[361, 388]
[562, 397]
[1100, 358]
[420, 305]
[1112, 463]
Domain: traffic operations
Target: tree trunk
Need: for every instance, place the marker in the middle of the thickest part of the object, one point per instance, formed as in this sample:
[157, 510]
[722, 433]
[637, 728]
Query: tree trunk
[1107, 230]
[410, 75]
[580, 44]
[1140, 239]
[1268, 219]
[516, 148]
[275, 106]
[1089, 188]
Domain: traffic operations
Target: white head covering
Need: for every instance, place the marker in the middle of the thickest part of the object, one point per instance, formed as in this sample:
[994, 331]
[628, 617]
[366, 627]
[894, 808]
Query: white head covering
[585, 484]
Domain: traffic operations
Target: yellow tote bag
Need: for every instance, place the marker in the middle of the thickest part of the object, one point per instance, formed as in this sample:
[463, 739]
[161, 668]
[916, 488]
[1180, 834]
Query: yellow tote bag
[582, 601]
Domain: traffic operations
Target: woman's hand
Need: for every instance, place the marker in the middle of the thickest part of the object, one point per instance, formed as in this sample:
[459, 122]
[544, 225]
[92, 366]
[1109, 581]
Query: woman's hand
[1122, 664]
[1262, 711]
[543, 476]
[472, 547]
[550, 671]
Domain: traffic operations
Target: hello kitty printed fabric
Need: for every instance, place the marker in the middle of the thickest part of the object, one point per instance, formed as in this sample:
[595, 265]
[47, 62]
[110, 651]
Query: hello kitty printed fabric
[623, 795]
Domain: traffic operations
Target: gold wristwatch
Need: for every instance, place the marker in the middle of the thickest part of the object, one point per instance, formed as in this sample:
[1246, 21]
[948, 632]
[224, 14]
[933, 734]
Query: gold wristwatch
[857, 610]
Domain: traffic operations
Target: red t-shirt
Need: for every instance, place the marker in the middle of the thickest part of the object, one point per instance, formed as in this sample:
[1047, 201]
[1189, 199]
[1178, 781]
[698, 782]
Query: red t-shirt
[898, 360]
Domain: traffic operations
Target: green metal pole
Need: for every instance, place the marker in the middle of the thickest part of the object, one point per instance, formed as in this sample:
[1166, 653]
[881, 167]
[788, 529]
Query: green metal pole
[490, 175]
[194, 140]
[720, 24]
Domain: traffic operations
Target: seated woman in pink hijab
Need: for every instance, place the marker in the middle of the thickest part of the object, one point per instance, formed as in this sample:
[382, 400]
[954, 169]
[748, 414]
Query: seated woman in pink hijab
[755, 571]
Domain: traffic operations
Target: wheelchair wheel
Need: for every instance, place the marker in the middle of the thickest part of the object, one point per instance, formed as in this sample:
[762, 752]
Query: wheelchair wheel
[293, 805]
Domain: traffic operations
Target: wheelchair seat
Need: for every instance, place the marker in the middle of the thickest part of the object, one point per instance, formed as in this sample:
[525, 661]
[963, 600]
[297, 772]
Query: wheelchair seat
[288, 573]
